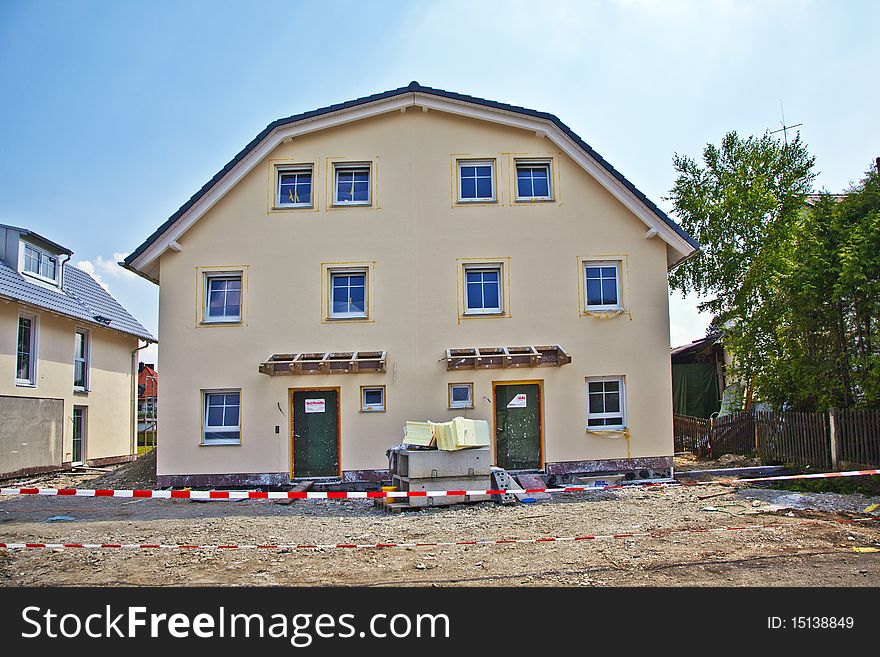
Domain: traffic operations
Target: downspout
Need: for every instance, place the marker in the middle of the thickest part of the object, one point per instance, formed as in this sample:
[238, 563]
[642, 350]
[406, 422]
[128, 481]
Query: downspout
[133, 405]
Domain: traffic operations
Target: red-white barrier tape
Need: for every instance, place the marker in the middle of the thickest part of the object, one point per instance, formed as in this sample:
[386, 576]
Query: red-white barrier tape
[350, 495]
[654, 533]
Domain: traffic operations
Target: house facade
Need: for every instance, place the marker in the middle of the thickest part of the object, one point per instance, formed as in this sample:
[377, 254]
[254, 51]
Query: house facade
[413, 255]
[68, 358]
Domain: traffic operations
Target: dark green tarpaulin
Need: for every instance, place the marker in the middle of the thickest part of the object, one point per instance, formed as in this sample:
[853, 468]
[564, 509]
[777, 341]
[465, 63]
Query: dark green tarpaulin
[695, 389]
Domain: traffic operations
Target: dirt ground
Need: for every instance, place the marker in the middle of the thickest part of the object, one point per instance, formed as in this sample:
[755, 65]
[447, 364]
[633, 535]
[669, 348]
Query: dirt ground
[793, 554]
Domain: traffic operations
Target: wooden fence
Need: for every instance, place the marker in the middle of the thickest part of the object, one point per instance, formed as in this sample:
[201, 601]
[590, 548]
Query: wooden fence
[837, 439]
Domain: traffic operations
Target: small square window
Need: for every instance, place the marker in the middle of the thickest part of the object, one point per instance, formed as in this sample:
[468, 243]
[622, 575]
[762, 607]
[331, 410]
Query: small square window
[461, 395]
[222, 421]
[476, 180]
[533, 181]
[483, 291]
[606, 403]
[602, 285]
[352, 185]
[348, 294]
[373, 399]
[222, 297]
[294, 187]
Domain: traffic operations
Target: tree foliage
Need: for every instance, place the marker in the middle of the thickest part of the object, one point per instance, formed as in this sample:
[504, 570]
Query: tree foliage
[795, 288]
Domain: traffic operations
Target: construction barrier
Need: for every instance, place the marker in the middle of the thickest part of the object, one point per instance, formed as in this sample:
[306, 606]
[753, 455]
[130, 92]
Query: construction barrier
[349, 495]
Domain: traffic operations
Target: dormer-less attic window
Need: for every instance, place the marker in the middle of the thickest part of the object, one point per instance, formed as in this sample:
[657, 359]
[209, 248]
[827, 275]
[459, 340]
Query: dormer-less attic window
[40, 264]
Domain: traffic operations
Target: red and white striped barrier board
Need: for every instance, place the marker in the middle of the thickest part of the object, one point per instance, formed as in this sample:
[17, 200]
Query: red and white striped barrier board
[353, 495]
[654, 533]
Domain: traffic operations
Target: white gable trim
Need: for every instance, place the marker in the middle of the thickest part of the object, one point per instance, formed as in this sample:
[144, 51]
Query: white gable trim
[147, 262]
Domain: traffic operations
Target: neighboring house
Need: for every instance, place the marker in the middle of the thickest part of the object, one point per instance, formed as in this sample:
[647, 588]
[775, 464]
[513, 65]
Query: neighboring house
[698, 376]
[147, 408]
[416, 254]
[68, 353]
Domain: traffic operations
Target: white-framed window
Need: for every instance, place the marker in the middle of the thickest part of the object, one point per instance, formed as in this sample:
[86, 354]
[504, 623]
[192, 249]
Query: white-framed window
[461, 395]
[602, 285]
[348, 294]
[222, 419]
[483, 289]
[222, 297]
[293, 187]
[606, 402]
[81, 356]
[372, 399]
[351, 184]
[39, 264]
[26, 350]
[476, 180]
[533, 181]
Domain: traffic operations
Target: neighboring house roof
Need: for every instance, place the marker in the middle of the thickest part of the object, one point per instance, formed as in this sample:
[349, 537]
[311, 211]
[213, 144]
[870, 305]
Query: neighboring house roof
[25, 232]
[148, 381]
[813, 199]
[143, 259]
[80, 298]
[697, 345]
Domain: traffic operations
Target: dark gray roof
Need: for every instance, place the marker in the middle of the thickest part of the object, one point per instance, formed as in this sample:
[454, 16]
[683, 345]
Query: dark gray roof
[81, 298]
[413, 87]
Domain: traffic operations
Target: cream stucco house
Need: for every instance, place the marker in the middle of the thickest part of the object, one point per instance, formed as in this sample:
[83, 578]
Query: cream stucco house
[68, 358]
[416, 254]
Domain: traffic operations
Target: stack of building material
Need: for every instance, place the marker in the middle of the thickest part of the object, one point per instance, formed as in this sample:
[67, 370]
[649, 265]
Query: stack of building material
[458, 433]
[434, 469]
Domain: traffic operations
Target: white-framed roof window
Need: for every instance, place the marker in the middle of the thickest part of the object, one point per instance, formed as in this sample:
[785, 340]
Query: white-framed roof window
[483, 289]
[351, 184]
[27, 349]
[222, 297]
[606, 402]
[348, 294]
[476, 181]
[602, 285]
[461, 395]
[39, 264]
[222, 419]
[533, 181]
[81, 357]
[293, 186]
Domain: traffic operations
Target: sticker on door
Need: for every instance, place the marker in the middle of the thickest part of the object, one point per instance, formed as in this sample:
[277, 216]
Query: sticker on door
[519, 401]
[315, 406]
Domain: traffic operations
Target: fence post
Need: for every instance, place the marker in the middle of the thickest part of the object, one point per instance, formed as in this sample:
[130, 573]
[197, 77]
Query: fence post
[834, 438]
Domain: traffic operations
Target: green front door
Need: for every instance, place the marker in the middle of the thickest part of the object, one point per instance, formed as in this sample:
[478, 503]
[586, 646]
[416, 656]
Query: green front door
[315, 433]
[518, 426]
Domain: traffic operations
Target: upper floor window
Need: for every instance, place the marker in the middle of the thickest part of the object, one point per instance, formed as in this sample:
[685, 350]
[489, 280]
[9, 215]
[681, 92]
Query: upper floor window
[483, 289]
[26, 351]
[294, 187]
[39, 263]
[533, 181]
[81, 349]
[352, 184]
[476, 180]
[606, 403]
[602, 285]
[348, 294]
[222, 297]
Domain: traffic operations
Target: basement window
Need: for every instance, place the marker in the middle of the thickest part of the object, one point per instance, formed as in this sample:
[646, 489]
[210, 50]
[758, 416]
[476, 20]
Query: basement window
[222, 421]
[606, 403]
[461, 395]
[372, 399]
[294, 187]
[352, 184]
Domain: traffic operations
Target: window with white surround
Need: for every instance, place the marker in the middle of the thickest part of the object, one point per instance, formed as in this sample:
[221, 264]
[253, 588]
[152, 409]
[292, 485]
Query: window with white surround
[461, 395]
[476, 180]
[606, 403]
[372, 399]
[39, 264]
[222, 297]
[602, 285]
[222, 421]
[81, 355]
[26, 351]
[533, 181]
[293, 187]
[351, 184]
[483, 289]
[348, 294]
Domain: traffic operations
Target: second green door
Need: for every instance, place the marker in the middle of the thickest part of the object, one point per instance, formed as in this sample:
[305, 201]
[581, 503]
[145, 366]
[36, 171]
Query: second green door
[315, 433]
[518, 426]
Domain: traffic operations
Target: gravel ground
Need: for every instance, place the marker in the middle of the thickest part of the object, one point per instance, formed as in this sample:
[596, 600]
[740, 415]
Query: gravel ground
[793, 554]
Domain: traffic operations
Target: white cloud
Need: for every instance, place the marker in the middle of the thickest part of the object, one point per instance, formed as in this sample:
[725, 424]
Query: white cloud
[99, 267]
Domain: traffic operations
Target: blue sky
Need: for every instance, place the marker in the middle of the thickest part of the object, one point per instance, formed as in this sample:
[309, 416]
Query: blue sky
[112, 114]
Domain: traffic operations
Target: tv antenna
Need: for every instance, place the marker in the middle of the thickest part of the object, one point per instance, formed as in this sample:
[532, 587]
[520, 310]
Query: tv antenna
[785, 128]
